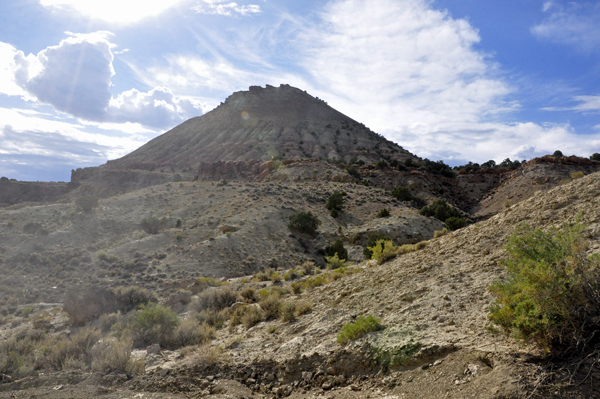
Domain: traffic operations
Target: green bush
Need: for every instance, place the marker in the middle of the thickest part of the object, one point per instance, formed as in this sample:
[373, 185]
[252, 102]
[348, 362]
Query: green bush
[153, 225]
[153, 324]
[212, 317]
[455, 223]
[304, 222]
[334, 213]
[190, 332]
[440, 210]
[334, 262]
[214, 298]
[383, 250]
[358, 329]
[337, 248]
[383, 213]
[335, 201]
[131, 297]
[373, 238]
[402, 193]
[595, 157]
[352, 171]
[558, 154]
[86, 204]
[550, 294]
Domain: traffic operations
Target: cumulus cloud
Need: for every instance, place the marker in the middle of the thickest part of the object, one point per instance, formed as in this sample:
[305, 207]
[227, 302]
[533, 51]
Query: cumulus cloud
[75, 77]
[576, 25]
[159, 107]
[226, 8]
[8, 67]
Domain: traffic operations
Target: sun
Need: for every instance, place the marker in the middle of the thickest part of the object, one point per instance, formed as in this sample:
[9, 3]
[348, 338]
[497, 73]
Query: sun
[114, 11]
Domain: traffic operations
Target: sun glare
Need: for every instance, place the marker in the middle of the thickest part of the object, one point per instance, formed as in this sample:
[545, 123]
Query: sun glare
[114, 11]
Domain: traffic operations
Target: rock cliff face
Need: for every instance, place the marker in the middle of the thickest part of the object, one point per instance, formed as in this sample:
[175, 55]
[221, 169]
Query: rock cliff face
[257, 125]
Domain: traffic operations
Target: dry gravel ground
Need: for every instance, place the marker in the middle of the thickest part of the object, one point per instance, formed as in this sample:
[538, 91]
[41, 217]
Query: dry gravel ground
[436, 297]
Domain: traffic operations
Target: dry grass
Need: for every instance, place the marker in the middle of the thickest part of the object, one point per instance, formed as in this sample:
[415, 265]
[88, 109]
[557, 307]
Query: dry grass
[112, 355]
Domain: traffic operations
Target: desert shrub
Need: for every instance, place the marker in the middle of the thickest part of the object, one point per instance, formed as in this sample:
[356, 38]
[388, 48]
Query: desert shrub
[87, 203]
[287, 312]
[214, 298]
[248, 294]
[335, 201]
[557, 154]
[252, 316]
[296, 287]
[131, 297]
[352, 171]
[270, 306]
[292, 274]
[418, 201]
[439, 233]
[109, 258]
[372, 240]
[334, 213]
[153, 324]
[334, 262]
[32, 228]
[178, 223]
[440, 210]
[153, 225]
[408, 248]
[212, 317]
[249, 316]
[402, 193]
[577, 175]
[550, 294]
[383, 250]
[382, 164]
[190, 332]
[455, 223]
[304, 222]
[106, 321]
[308, 267]
[358, 329]
[112, 355]
[302, 308]
[61, 350]
[17, 354]
[337, 248]
[383, 213]
[10, 224]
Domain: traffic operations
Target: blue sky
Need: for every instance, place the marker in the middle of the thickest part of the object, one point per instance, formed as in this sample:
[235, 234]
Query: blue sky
[82, 81]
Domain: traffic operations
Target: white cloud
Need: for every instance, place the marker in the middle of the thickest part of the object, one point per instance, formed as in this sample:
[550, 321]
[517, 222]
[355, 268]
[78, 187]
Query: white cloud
[116, 11]
[8, 66]
[480, 142]
[226, 8]
[586, 104]
[27, 133]
[159, 107]
[75, 77]
[401, 63]
[576, 25]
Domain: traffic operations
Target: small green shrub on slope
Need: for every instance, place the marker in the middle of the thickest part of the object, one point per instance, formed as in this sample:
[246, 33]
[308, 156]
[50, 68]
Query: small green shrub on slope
[358, 329]
[550, 294]
[304, 222]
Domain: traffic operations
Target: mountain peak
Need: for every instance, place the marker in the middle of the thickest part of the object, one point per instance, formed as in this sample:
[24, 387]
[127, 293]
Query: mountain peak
[258, 124]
